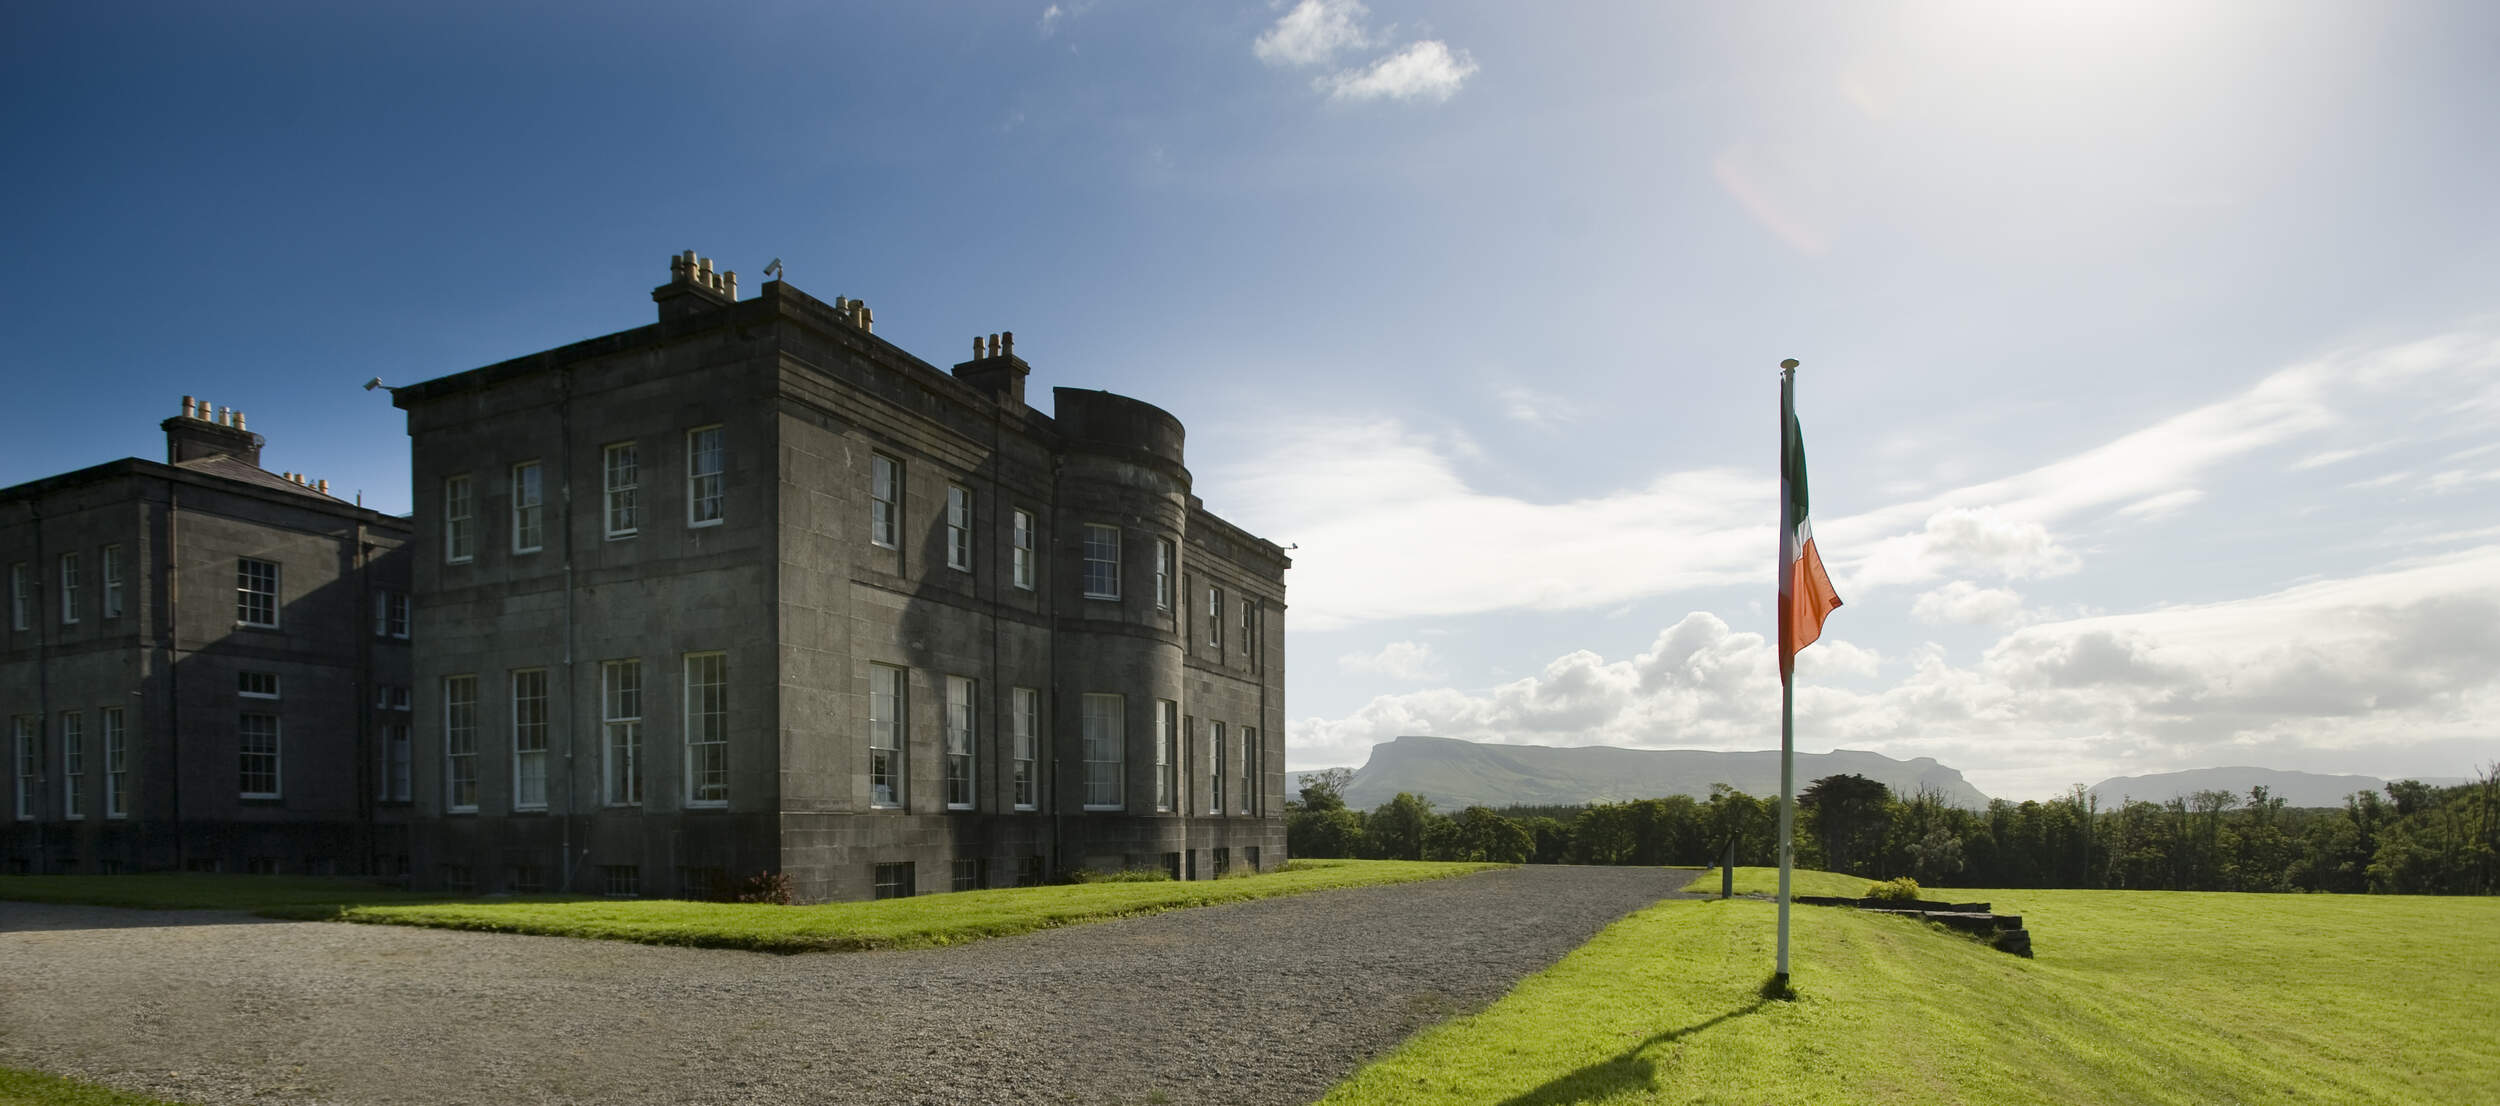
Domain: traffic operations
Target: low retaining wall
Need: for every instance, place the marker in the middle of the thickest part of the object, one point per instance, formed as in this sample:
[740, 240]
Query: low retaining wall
[2003, 932]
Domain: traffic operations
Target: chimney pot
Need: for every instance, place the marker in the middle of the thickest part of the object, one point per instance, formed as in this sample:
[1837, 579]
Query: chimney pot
[238, 420]
[186, 407]
[1007, 344]
[325, 487]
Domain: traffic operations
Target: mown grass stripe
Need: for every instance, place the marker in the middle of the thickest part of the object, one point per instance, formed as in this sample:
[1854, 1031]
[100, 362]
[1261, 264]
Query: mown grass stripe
[2135, 997]
[919, 922]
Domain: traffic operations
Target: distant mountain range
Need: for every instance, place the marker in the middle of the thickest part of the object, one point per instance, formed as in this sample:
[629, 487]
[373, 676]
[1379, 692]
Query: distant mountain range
[1456, 774]
[2294, 788]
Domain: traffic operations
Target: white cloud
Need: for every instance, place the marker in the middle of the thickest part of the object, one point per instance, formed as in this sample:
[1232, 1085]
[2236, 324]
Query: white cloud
[1542, 410]
[1957, 539]
[2162, 506]
[2328, 457]
[1373, 502]
[1050, 19]
[1965, 603]
[1313, 32]
[1402, 660]
[1427, 70]
[2321, 676]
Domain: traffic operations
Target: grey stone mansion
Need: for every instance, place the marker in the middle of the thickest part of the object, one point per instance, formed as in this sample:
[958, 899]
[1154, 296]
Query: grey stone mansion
[747, 590]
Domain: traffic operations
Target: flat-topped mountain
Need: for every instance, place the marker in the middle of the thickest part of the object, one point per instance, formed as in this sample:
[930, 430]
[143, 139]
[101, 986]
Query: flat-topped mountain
[2294, 788]
[1455, 774]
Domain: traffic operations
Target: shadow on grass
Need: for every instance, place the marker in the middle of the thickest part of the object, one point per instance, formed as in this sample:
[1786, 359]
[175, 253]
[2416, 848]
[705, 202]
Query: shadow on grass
[1628, 1070]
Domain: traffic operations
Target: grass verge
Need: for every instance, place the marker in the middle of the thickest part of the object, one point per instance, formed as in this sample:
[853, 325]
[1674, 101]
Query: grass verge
[919, 922]
[2150, 997]
[30, 1088]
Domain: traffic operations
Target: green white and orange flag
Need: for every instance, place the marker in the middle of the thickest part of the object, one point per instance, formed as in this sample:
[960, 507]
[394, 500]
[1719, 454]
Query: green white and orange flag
[1806, 594]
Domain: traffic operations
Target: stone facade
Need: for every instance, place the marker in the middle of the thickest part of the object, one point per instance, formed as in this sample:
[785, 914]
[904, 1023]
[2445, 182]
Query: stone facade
[199, 666]
[753, 590]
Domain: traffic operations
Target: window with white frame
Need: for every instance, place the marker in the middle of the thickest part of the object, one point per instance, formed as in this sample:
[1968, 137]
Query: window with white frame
[257, 746]
[255, 592]
[459, 519]
[1104, 750]
[390, 697]
[622, 465]
[704, 505]
[707, 729]
[256, 685]
[1167, 758]
[962, 725]
[1024, 550]
[1249, 625]
[620, 710]
[1025, 713]
[73, 764]
[1165, 561]
[460, 743]
[1244, 797]
[885, 500]
[1102, 561]
[392, 781]
[1215, 620]
[21, 597]
[69, 589]
[116, 763]
[888, 761]
[112, 581]
[529, 739]
[25, 758]
[390, 614]
[959, 527]
[1215, 768]
[529, 507]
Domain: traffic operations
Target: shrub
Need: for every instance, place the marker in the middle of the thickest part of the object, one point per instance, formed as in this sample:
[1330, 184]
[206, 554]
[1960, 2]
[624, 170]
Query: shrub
[772, 888]
[1123, 875]
[1897, 889]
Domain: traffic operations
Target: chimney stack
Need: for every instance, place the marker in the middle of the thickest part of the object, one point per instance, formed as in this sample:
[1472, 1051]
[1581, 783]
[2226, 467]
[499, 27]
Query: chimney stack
[693, 288]
[205, 430]
[996, 369]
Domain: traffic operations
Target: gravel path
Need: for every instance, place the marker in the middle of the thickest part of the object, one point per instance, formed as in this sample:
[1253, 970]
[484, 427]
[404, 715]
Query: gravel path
[1264, 1002]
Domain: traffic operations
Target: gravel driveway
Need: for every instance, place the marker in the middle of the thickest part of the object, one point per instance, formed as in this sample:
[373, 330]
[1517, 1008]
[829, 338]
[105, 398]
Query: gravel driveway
[1263, 1002]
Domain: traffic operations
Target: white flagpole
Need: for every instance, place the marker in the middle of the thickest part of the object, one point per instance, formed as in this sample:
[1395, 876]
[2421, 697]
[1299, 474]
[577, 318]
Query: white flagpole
[1788, 728]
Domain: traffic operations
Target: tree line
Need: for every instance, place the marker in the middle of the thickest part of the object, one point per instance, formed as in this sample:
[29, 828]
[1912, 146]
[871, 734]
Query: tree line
[2413, 839]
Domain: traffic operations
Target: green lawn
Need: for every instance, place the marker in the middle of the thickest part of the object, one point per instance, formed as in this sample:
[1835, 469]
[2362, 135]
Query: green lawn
[2134, 997]
[894, 923]
[28, 1088]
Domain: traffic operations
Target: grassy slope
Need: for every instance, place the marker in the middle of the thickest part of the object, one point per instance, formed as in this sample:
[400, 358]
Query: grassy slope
[27, 1088]
[2135, 997]
[894, 923]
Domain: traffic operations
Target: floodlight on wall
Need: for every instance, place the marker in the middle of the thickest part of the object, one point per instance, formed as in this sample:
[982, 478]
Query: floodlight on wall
[774, 269]
[376, 382]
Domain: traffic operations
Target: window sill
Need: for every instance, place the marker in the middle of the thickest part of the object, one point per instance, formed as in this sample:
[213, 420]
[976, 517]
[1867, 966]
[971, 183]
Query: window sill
[706, 524]
[1026, 808]
[459, 810]
[621, 535]
[707, 804]
[528, 551]
[959, 806]
[1111, 808]
[459, 560]
[1104, 598]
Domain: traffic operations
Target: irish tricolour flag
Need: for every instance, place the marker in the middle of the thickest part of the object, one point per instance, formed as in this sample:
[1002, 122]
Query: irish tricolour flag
[1806, 594]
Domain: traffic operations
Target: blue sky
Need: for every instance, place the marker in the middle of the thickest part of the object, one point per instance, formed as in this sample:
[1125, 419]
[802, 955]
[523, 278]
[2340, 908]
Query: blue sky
[2151, 350]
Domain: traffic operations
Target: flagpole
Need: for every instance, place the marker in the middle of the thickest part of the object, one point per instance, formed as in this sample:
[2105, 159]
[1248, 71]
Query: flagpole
[1788, 726]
